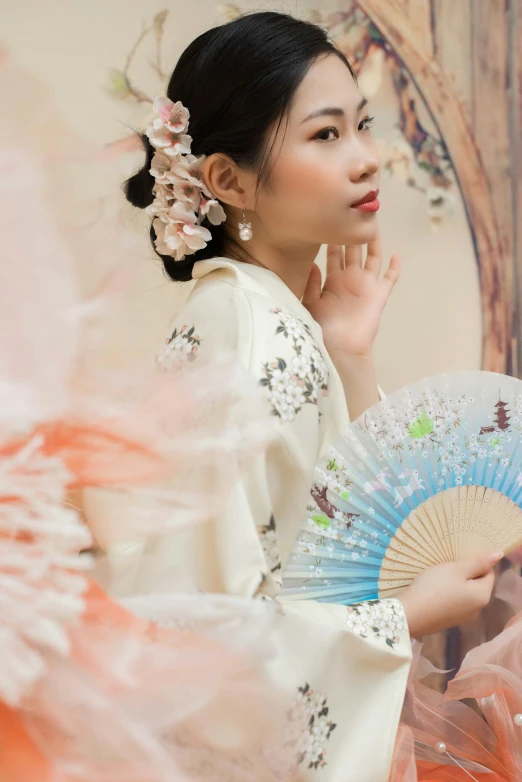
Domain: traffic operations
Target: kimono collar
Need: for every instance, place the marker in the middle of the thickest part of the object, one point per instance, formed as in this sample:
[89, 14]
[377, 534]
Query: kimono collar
[260, 280]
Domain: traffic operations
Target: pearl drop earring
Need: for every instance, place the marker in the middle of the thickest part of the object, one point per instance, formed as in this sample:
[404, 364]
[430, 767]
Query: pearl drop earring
[245, 229]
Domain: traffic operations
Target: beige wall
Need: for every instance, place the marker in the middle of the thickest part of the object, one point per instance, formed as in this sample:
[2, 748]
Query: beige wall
[432, 323]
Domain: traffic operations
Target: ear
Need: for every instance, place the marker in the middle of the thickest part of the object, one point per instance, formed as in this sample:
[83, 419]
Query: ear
[227, 182]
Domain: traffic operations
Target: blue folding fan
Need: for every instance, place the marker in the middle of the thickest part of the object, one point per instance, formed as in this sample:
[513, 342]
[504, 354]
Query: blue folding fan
[431, 474]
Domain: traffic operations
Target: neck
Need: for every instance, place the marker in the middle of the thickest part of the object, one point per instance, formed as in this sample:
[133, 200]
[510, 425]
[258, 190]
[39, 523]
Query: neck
[292, 264]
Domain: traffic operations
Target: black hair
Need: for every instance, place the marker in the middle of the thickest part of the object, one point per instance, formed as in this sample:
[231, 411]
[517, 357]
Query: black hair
[236, 80]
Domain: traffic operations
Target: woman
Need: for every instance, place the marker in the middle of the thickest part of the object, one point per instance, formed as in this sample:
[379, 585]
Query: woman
[276, 158]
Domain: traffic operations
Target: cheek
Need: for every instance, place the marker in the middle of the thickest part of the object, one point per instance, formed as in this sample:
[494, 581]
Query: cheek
[306, 179]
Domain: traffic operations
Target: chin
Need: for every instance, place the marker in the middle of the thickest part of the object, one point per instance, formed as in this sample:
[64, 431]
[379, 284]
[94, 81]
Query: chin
[361, 231]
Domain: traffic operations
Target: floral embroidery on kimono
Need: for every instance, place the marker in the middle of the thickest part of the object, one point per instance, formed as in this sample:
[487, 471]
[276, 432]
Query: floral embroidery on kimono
[270, 544]
[311, 707]
[180, 347]
[304, 379]
[385, 619]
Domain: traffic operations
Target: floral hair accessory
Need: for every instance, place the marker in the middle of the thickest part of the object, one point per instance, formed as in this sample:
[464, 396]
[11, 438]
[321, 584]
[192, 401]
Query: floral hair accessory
[182, 200]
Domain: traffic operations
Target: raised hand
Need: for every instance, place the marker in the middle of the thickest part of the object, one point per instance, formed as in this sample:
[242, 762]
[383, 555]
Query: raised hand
[350, 305]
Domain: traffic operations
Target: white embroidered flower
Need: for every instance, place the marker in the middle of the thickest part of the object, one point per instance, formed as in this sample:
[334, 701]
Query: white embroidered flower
[301, 366]
[386, 631]
[295, 396]
[293, 327]
[181, 346]
[298, 380]
[280, 379]
[279, 396]
[283, 406]
[382, 619]
[364, 614]
[386, 610]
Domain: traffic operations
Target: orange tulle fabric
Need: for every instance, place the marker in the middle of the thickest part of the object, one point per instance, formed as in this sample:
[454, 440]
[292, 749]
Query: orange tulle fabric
[474, 719]
[96, 456]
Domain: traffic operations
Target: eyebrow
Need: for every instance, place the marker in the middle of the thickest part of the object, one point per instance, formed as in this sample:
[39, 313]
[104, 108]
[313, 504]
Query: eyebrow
[334, 111]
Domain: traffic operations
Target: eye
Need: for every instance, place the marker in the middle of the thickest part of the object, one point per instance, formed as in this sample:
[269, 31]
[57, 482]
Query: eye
[366, 123]
[320, 135]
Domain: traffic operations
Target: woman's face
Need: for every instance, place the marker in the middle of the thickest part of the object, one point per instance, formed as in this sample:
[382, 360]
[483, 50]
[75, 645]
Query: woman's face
[324, 163]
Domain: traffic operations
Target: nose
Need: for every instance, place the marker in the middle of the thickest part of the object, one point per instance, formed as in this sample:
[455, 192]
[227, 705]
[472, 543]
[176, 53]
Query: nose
[365, 164]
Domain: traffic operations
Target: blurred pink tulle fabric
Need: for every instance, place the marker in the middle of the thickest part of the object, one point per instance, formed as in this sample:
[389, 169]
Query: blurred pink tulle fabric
[475, 720]
[88, 689]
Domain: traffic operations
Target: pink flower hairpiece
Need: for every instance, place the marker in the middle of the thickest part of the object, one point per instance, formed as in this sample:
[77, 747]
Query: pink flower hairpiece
[181, 198]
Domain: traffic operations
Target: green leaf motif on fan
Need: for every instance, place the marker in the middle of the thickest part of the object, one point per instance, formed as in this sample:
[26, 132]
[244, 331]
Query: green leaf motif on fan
[494, 442]
[421, 427]
[321, 520]
[345, 495]
[332, 466]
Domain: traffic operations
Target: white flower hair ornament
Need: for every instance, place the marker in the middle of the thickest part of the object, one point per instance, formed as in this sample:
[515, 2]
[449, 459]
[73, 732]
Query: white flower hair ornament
[181, 197]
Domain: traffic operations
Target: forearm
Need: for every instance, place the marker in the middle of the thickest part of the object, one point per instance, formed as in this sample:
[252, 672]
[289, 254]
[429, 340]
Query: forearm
[359, 381]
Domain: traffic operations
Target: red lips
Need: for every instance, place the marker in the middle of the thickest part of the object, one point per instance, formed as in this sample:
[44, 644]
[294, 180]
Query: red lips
[371, 196]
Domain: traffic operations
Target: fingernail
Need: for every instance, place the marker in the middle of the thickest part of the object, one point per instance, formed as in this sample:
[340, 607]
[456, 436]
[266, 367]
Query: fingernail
[495, 556]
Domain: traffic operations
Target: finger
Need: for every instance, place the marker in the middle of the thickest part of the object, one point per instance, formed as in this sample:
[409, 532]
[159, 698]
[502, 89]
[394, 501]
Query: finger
[374, 255]
[353, 256]
[483, 587]
[481, 564]
[312, 292]
[393, 272]
[334, 258]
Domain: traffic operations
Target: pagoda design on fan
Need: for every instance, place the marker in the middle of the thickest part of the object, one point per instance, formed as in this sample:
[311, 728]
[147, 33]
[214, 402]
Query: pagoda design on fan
[431, 474]
[501, 419]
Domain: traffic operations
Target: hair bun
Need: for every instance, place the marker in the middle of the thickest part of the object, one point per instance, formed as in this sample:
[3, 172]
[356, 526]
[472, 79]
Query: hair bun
[138, 188]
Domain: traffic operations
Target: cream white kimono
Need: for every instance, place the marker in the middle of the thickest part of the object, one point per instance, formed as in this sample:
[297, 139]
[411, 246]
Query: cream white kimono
[342, 672]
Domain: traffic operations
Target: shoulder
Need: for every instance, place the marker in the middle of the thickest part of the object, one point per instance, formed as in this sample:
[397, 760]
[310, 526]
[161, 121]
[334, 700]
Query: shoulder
[214, 319]
[279, 349]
